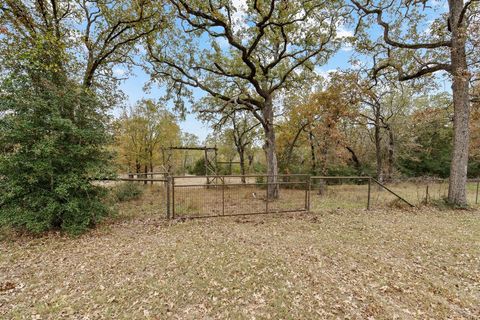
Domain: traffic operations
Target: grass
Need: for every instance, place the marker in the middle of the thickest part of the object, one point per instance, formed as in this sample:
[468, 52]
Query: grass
[350, 264]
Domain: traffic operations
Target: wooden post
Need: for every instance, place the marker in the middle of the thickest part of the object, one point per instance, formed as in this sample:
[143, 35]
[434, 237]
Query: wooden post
[369, 193]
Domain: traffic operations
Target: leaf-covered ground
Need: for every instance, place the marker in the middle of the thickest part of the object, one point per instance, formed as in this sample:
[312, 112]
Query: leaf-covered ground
[340, 264]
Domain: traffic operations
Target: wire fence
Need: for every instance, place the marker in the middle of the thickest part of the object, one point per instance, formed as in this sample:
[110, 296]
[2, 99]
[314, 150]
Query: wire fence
[229, 195]
[199, 196]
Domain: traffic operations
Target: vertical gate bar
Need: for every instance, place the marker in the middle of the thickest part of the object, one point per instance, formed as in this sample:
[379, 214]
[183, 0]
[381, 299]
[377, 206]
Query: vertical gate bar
[167, 184]
[369, 192]
[476, 196]
[173, 198]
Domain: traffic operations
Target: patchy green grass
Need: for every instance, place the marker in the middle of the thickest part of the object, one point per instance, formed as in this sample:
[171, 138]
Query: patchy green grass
[337, 264]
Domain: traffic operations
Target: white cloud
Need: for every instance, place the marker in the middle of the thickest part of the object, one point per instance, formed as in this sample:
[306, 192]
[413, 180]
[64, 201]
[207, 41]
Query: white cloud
[239, 17]
[118, 72]
[326, 74]
[342, 34]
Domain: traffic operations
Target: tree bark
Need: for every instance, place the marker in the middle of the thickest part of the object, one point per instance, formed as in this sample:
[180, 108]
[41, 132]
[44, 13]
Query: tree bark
[151, 170]
[324, 151]
[145, 176]
[354, 158]
[291, 146]
[241, 154]
[378, 148]
[313, 158]
[460, 88]
[138, 168]
[391, 153]
[270, 150]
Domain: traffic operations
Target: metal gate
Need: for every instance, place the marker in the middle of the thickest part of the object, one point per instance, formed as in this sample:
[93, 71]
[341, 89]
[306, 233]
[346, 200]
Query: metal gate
[217, 196]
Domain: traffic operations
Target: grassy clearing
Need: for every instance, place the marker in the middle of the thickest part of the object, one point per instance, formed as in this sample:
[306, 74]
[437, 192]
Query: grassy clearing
[337, 264]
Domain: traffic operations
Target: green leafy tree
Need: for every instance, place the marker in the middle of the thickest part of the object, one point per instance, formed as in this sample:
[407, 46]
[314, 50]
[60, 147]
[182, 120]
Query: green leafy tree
[142, 132]
[429, 154]
[52, 138]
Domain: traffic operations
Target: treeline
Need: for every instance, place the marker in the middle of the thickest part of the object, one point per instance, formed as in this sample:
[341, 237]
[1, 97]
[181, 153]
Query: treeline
[384, 129]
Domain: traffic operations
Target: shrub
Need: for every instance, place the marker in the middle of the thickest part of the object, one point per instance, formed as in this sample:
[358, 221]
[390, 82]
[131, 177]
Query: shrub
[52, 138]
[127, 191]
[199, 168]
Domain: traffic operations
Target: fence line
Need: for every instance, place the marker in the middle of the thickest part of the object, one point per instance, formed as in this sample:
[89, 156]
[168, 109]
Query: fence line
[231, 195]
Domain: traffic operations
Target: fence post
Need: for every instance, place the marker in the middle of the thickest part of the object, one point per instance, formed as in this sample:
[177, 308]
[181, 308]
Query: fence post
[173, 197]
[223, 196]
[167, 183]
[476, 196]
[307, 194]
[369, 192]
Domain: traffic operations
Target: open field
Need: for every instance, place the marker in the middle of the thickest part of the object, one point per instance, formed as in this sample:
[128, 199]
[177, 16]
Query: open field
[348, 264]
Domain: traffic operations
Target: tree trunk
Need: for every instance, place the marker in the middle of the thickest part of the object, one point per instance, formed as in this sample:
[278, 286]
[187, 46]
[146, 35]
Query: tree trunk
[354, 158]
[290, 148]
[391, 153]
[241, 154]
[378, 149]
[130, 175]
[460, 86]
[151, 165]
[313, 158]
[145, 168]
[185, 163]
[270, 151]
[324, 152]
[138, 167]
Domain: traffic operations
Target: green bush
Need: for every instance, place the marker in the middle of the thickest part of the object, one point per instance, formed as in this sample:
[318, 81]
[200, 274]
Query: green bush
[199, 168]
[127, 191]
[52, 138]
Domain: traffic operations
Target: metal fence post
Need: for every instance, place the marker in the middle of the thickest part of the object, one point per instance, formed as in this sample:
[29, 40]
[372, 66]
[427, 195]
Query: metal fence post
[223, 196]
[167, 183]
[307, 194]
[369, 192]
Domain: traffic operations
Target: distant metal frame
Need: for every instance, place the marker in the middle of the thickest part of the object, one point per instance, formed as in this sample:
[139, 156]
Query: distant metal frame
[211, 165]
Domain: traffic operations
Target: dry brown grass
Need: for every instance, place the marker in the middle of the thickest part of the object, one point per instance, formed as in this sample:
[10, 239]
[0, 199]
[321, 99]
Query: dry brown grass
[347, 264]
